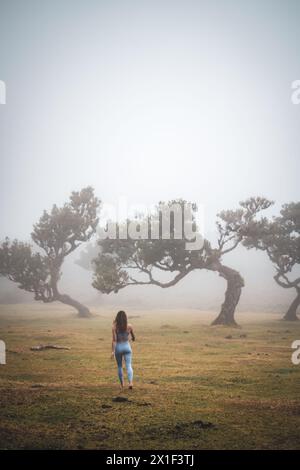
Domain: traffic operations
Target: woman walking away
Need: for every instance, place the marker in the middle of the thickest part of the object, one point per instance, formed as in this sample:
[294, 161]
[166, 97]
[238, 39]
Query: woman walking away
[121, 346]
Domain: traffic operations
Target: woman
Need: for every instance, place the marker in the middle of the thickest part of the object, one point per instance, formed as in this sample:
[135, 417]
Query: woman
[121, 346]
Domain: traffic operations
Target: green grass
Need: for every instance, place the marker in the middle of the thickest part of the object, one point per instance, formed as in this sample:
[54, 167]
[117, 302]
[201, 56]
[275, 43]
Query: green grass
[184, 371]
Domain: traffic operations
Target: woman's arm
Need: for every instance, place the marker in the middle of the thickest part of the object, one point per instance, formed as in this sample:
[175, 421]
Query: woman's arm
[114, 340]
[132, 333]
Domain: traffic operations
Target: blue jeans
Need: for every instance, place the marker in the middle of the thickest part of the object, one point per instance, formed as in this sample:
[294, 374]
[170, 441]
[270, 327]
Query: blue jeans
[123, 349]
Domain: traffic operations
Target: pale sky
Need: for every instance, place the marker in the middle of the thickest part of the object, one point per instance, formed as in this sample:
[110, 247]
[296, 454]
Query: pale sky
[149, 100]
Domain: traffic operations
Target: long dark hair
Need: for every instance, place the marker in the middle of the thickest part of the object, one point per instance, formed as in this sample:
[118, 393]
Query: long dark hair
[121, 321]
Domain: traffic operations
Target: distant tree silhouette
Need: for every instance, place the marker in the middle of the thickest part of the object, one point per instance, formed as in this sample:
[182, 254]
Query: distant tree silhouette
[57, 234]
[86, 256]
[280, 239]
[124, 262]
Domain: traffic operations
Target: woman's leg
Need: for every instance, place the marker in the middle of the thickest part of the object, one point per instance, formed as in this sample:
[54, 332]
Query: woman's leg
[118, 356]
[127, 357]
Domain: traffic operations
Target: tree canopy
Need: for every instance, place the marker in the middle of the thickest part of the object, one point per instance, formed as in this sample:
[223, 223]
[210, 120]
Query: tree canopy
[57, 234]
[124, 262]
[279, 237]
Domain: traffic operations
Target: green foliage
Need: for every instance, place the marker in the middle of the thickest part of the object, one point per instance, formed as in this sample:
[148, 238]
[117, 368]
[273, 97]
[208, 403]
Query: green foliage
[123, 262]
[239, 225]
[57, 234]
[279, 237]
[126, 262]
[28, 269]
[61, 231]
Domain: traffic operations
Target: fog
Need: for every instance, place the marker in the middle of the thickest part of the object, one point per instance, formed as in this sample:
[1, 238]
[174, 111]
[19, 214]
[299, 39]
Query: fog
[150, 101]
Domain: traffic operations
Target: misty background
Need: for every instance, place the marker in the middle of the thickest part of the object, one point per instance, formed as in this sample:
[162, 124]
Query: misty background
[150, 101]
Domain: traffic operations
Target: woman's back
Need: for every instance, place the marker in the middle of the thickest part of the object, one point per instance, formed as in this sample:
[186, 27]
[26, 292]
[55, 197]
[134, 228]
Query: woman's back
[122, 336]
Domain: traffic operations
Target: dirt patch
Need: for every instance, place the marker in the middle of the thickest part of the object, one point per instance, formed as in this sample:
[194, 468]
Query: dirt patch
[121, 400]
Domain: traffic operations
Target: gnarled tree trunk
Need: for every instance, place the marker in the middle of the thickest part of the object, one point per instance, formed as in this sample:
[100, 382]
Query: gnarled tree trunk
[235, 283]
[291, 314]
[83, 311]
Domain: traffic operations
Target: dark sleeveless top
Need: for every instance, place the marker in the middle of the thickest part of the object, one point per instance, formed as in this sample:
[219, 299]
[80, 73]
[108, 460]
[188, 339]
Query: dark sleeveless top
[122, 336]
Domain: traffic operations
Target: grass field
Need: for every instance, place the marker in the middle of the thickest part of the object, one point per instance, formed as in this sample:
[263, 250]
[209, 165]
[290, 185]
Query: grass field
[196, 386]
